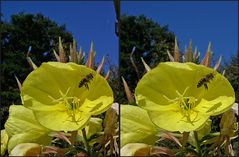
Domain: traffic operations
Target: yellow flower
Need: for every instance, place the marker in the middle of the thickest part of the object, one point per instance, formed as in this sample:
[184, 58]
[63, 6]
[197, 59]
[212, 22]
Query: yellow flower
[64, 96]
[4, 141]
[26, 149]
[135, 149]
[22, 127]
[135, 126]
[182, 96]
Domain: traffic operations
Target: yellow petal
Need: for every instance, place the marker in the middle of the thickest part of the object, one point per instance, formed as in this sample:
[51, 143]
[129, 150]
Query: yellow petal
[26, 149]
[135, 149]
[164, 90]
[22, 127]
[175, 121]
[61, 121]
[66, 92]
[135, 126]
[4, 142]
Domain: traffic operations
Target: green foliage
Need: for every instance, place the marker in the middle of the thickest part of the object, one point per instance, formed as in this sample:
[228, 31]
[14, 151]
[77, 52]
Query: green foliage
[232, 74]
[114, 82]
[151, 41]
[22, 31]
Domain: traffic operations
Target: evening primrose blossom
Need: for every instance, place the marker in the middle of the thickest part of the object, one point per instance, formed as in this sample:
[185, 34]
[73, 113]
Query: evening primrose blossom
[182, 96]
[63, 96]
[22, 127]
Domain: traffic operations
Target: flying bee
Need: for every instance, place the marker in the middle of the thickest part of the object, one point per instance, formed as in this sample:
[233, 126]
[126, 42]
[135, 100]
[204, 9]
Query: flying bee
[86, 80]
[205, 80]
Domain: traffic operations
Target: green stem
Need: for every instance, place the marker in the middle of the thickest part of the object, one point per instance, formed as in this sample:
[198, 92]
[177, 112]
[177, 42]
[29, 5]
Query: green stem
[197, 143]
[85, 141]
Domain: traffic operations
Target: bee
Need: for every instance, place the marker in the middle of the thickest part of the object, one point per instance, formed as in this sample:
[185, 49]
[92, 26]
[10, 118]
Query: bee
[86, 80]
[205, 80]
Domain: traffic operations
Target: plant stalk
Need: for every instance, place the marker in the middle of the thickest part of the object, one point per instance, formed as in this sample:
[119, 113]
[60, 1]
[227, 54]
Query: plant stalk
[87, 147]
[197, 143]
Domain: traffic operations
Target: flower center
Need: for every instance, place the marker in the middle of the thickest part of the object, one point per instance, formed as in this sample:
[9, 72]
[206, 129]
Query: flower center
[186, 103]
[71, 104]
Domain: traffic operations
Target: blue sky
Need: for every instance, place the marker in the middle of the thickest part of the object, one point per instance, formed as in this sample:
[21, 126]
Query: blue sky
[94, 21]
[200, 21]
[87, 21]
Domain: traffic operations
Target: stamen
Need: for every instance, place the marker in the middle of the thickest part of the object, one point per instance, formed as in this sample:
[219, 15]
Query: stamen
[185, 90]
[71, 104]
[170, 100]
[186, 103]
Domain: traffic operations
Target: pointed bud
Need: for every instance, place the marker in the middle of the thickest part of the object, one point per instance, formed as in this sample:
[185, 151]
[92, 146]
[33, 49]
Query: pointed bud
[132, 60]
[56, 56]
[195, 53]
[100, 67]
[223, 73]
[145, 65]
[107, 76]
[198, 55]
[170, 56]
[74, 50]
[18, 83]
[31, 63]
[207, 58]
[62, 54]
[189, 53]
[218, 63]
[71, 57]
[127, 91]
[29, 50]
[79, 56]
[90, 59]
[176, 51]
[183, 58]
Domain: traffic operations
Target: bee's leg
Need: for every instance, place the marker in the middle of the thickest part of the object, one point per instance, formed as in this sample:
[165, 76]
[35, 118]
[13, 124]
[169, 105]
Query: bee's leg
[86, 86]
[205, 86]
[91, 76]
